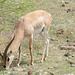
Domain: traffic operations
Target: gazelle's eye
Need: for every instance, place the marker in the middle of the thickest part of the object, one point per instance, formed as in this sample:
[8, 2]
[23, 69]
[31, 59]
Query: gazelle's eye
[11, 51]
[8, 59]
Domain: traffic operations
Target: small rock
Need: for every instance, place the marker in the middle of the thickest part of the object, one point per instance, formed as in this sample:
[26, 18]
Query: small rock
[71, 32]
[55, 67]
[67, 48]
[66, 2]
[39, 53]
[63, 5]
[60, 31]
[51, 73]
[68, 40]
[68, 55]
[9, 72]
[72, 64]
[28, 64]
[62, 2]
[68, 10]
[24, 55]
[45, 73]
[50, 67]
[53, 39]
[73, 9]
[29, 73]
[72, 44]
[12, 74]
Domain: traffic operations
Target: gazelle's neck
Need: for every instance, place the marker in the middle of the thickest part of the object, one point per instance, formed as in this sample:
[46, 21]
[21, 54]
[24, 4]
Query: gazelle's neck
[15, 43]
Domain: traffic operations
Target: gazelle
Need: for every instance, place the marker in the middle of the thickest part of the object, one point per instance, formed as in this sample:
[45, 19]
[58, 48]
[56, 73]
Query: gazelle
[28, 25]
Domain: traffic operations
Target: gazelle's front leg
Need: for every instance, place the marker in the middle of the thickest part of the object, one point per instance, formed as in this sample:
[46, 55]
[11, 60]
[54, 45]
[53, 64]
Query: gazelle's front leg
[19, 57]
[30, 47]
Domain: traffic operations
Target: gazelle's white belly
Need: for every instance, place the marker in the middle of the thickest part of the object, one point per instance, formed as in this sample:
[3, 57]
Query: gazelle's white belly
[37, 31]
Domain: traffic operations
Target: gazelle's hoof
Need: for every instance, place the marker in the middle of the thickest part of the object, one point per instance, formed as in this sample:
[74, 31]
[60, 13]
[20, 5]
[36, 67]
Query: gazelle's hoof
[41, 61]
[32, 64]
[44, 58]
[18, 65]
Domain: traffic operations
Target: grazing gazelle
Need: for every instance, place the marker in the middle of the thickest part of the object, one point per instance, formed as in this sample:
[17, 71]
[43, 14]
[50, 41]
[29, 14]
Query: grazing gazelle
[28, 25]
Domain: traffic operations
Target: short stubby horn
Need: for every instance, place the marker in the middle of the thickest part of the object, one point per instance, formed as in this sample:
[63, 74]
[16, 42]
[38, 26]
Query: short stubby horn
[1, 54]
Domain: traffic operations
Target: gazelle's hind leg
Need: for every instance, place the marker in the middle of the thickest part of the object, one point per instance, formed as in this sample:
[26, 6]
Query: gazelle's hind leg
[30, 48]
[19, 57]
[44, 34]
[47, 48]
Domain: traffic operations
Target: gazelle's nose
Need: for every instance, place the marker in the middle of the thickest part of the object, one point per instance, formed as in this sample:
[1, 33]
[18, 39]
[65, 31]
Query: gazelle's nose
[4, 66]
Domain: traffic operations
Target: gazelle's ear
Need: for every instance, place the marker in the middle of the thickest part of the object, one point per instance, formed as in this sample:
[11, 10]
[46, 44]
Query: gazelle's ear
[1, 54]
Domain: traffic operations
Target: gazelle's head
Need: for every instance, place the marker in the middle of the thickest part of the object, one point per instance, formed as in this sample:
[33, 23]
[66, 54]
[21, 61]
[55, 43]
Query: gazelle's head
[7, 59]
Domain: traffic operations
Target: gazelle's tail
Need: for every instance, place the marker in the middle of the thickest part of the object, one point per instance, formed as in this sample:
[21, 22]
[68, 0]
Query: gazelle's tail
[53, 21]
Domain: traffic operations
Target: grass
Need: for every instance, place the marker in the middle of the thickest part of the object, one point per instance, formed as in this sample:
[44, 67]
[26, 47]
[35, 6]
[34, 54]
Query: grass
[12, 10]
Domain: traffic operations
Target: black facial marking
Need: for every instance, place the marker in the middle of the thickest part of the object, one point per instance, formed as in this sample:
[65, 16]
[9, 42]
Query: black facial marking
[8, 59]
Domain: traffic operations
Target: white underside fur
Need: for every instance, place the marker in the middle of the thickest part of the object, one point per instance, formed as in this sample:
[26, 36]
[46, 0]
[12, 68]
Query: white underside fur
[37, 31]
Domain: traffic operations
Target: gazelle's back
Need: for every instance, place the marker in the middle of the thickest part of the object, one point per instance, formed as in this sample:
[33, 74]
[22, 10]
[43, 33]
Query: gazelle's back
[34, 20]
